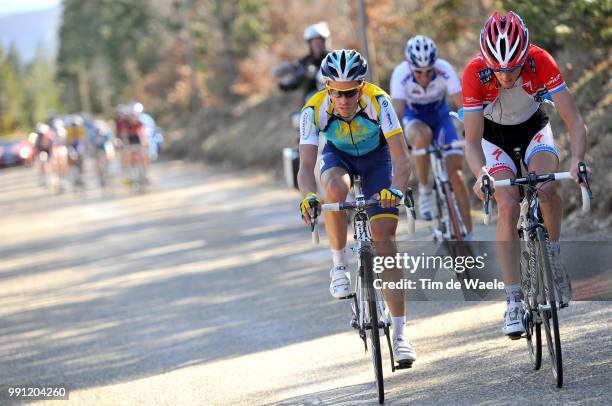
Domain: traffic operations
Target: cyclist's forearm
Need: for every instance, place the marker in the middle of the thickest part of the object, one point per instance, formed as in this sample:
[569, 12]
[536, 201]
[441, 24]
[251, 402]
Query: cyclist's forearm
[475, 157]
[305, 177]
[578, 139]
[401, 174]
[306, 181]
[474, 129]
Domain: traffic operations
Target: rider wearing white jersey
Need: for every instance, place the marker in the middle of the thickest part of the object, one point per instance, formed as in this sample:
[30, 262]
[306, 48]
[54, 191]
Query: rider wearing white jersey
[419, 86]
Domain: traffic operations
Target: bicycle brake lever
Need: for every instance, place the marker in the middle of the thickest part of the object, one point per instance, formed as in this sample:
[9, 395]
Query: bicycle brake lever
[583, 177]
[486, 189]
[410, 213]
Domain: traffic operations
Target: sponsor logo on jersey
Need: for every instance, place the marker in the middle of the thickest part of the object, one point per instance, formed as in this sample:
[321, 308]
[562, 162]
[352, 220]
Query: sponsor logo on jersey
[553, 80]
[531, 64]
[538, 138]
[497, 153]
[485, 76]
[539, 95]
[305, 124]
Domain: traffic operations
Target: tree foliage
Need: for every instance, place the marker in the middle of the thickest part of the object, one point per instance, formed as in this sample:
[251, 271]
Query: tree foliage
[557, 24]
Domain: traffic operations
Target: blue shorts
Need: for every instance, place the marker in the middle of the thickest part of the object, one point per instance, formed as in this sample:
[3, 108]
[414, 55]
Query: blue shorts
[442, 128]
[374, 168]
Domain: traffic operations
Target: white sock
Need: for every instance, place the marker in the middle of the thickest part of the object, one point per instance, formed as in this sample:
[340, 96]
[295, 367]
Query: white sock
[425, 189]
[398, 325]
[555, 247]
[339, 257]
[513, 293]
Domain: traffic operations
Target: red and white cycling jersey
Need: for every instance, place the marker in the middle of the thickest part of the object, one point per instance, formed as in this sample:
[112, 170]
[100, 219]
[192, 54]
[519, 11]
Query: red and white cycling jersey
[481, 91]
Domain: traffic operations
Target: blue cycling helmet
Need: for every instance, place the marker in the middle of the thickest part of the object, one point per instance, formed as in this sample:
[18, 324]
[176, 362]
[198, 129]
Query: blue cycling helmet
[421, 52]
[344, 65]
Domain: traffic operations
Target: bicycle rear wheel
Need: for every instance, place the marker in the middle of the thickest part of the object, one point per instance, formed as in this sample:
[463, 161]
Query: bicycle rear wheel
[549, 316]
[372, 316]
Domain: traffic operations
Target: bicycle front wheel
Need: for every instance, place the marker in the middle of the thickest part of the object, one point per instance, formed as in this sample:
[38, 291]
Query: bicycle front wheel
[372, 316]
[453, 212]
[533, 326]
[550, 319]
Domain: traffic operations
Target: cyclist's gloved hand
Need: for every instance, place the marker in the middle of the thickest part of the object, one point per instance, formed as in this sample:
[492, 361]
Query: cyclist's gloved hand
[574, 170]
[390, 197]
[477, 188]
[309, 206]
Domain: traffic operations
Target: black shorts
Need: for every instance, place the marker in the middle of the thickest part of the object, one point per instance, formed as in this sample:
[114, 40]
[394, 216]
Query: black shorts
[509, 137]
[134, 140]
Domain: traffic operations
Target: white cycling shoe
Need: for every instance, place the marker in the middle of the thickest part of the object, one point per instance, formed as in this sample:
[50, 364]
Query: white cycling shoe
[340, 282]
[403, 351]
[426, 204]
[513, 324]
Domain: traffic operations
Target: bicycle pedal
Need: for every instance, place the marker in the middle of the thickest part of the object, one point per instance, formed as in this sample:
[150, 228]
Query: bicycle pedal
[403, 365]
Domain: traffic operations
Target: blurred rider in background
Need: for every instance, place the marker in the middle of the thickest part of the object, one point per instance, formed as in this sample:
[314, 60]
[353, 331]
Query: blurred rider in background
[305, 72]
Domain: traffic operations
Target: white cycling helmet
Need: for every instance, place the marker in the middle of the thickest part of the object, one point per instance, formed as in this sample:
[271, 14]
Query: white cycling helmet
[318, 30]
[137, 108]
[344, 65]
[421, 52]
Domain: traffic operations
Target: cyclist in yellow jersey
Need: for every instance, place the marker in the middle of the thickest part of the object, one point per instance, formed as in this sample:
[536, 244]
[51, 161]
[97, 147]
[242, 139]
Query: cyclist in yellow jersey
[75, 133]
[76, 138]
[364, 138]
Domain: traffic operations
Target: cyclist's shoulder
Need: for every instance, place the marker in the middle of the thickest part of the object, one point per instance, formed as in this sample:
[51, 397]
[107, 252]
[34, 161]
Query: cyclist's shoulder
[317, 100]
[476, 64]
[401, 68]
[442, 65]
[539, 57]
[373, 91]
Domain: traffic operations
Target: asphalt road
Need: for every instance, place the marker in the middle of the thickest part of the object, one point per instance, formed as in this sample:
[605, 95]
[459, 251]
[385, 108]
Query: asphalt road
[208, 291]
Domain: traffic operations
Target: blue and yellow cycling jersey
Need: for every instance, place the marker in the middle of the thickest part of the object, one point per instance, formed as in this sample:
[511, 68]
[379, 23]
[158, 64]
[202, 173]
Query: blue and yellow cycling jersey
[375, 118]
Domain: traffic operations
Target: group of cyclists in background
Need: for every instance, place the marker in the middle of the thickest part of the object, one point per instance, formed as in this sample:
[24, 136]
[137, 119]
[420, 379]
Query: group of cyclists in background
[62, 144]
[501, 96]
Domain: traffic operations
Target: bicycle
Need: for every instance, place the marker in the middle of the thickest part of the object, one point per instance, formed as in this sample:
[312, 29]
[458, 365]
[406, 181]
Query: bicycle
[137, 171]
[450, 225]
[368, 305]
[539, 290]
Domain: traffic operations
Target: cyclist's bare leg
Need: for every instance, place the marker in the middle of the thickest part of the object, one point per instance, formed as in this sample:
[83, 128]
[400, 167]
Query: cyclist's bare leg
[383, 233]
[335, 181]
[145, 155]
[454, 166]
[551, 204]
[420, 135]
[507, 200]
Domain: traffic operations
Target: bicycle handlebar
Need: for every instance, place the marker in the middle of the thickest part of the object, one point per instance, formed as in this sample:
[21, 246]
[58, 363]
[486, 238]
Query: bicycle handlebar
[407, 201]
[434, 148]
[532, 179]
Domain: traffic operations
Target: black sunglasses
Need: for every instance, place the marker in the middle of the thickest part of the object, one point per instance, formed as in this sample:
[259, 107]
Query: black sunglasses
[343, 93]
[507, 70]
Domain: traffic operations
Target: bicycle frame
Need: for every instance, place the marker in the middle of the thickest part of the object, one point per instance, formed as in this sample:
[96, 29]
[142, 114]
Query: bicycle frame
[363, 238]
[442, 186]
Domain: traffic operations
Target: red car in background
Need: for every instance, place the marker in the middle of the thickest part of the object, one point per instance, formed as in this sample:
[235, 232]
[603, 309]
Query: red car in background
[15, 152]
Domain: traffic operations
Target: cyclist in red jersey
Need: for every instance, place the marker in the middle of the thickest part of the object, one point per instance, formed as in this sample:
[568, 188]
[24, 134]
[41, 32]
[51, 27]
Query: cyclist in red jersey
[503, 89]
